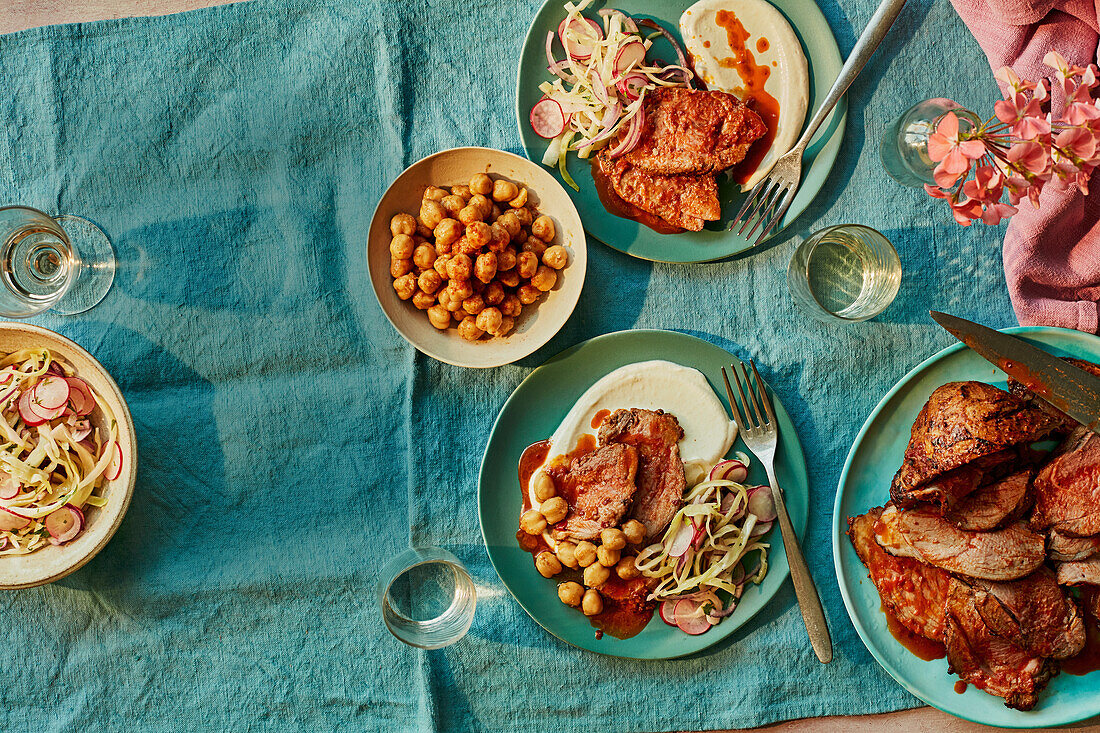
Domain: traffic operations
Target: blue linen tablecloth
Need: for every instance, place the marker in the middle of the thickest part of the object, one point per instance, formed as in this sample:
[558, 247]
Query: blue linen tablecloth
[291, 441]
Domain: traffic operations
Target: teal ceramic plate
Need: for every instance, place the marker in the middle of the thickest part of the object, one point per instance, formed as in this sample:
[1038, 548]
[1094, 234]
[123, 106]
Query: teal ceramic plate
[714, 242]
[533, 412]
[865, 483]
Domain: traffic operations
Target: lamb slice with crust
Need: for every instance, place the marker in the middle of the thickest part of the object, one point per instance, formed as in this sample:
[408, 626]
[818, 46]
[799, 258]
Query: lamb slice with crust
[598, 487]
[995, 504]
[1067, 489]
[656, 436]
[987, 661]
[913, 592]
[1082, 572]
[685, 201]
[1067, 548]
[1033, 612]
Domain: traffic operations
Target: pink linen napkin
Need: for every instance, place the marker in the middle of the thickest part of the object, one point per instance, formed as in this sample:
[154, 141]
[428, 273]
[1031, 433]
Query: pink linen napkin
[1051, 254]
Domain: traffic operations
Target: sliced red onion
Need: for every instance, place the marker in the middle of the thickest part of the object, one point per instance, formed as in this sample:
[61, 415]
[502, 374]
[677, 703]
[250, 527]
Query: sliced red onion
[628, 23]
[550, 60]
[727, 504]
[7, 392]
[610, 118]
[723, 612]
[697, 537]
[55, 368]
[114, 469]
[81, 430]
[633, 136]
[632, 85]
[737, 575]
[650, 23]
[670, 74]
[761, 503]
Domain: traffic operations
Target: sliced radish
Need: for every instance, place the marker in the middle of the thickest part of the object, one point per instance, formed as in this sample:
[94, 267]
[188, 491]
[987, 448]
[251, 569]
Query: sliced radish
[42, 413]
[682, 541]
[52, 392]
[688, 620]
[80, 394]
[114, 469]
[761, 504]
[3, 543]
[760, 528]
[666, 612]
[30, 417]
[10, 521]
[9, 488]
[727, 504]
[584, 35]
[729, 470]
[547, 118]
[81, 430]
[630, 55]
[64, 524]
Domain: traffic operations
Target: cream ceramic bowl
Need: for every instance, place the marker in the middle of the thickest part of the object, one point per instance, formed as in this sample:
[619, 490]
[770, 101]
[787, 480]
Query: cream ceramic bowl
[52, 562]
[538, 322]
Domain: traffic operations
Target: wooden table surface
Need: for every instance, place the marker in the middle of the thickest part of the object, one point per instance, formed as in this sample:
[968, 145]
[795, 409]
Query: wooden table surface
[19, 14]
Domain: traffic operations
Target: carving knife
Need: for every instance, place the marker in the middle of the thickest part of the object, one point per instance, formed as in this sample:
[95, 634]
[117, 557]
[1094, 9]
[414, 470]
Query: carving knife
[1065, 386]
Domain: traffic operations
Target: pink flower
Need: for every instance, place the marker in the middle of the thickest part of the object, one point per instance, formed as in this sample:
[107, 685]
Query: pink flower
[1030, 156]
[996, 211]
[936, 192]
[952, 153]
[985, 186]
[1081, 113]
[1009, 78]
[1079, 142]
[966, 211]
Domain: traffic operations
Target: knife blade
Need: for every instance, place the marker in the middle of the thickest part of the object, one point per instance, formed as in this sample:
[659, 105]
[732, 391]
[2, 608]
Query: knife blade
[1063, 385]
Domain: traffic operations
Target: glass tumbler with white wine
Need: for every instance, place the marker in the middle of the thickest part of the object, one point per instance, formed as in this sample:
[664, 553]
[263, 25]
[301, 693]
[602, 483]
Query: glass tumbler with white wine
[64, 263]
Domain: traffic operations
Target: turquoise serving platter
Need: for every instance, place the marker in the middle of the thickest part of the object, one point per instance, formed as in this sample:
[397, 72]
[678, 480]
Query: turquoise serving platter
[533, 412]
[714, 242]
[865, 483]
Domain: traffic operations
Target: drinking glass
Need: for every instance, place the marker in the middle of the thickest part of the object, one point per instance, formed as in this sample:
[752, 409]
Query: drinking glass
[427, 597]
[844, 273]
[62, 262]
[904, 146]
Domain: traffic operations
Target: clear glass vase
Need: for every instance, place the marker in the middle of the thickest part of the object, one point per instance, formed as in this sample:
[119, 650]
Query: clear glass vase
[904, 147]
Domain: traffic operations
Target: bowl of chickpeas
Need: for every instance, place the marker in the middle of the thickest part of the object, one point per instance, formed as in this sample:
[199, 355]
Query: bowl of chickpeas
[477, 256]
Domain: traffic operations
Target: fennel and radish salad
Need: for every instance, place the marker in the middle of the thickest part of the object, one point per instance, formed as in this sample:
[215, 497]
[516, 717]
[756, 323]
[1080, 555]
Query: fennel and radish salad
[600, 87]
[713, 545]
[53, 461]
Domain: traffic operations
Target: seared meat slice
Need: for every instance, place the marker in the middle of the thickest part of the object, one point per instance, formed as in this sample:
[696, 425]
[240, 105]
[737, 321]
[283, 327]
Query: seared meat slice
[914, 592]
[1034, 613]
[661, 480]
[598, 487]
[987, 661]
[1064, 548]
[685, 201]
[1082, 572]
[1031, 398]
[994, 505]
[1090, 601]
[1067, 490]
[961, 423]
[1005, 554]
[692, 131]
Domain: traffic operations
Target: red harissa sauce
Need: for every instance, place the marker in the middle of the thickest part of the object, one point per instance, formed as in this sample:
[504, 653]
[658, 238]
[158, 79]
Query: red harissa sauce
[921, 647]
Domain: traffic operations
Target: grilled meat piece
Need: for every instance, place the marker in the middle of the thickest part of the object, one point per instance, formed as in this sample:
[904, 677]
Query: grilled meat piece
[598, 487]
[1034, 613]
[987, 661]
[1065, 548]
[913, 592]
[1067, 490]
[962, 423]
[656, 435]
[1082, 572]
[685, 201]
[1068, 423]
[1004, 554]
[693, 131]
[994, 505]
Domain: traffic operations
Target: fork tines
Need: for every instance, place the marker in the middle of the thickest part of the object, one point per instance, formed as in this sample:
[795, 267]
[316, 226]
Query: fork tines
[745, 419]
[764, 198]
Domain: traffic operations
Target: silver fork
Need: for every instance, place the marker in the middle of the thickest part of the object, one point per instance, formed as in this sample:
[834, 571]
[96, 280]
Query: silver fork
[761, 436]
[773, 196]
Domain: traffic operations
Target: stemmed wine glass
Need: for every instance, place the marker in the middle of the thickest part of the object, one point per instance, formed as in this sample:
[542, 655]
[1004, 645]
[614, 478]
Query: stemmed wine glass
[61, 262]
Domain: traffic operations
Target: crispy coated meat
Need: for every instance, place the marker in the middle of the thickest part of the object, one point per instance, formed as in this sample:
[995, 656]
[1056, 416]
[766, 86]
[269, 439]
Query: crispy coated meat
[994, 505]
[1067, 490]
[661, 480]
[598, 487]
[685, 201]
[1034, 613]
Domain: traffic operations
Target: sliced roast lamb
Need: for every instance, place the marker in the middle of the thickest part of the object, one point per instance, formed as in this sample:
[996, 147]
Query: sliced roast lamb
[1067, 490]
[1082, 572]
[1034, 613]
[994, 505]
[598, 487]
[1067, 548]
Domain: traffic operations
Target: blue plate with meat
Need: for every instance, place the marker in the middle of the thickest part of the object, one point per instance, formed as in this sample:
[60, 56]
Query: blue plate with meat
[967, 541]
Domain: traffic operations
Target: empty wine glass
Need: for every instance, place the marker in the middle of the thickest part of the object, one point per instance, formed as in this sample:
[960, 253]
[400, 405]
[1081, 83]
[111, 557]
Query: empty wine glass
[64, 263]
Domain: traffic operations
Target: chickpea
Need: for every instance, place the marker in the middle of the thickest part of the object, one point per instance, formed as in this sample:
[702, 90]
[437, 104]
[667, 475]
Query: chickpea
[448, 231]
[596, 575]
[499, 237]
[495, 213]
[440, 265]
[532, 522]
[453, 204]
[479, 234]
[608, 558]
[592, 603]
[510, 221]
[509, 279]
[421, 238]
[489, 320]
[405, 286]
[520, 201]
[485, 268]
[544, 487]
[504, 190]
[400, 267]
[460, 267]
[506, 259]
[434, 193]
[507, 323]
[528, 264]
[570, 593]
[556, 257]
[467, 329]
[431, 213]
[449, 300]
[528, 294]
[543, 228]
[484, 205]
[613, 538]
[494, 293]
[554, 509]
[474, 304]
[566, 552]
[429, 281]
[586, 553]
[402, 246]
[423, 301]
[461, 290]
[481, 184]
[626, 569]
[440, 317]
[442, 248]
[545, 278]
[522, 237]
[460, 315]
[461, 190]
[424, 257]
[535, 245]
[511, 306]
[547, 565]
[470, 214]
[634, 531]
[402, 224]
